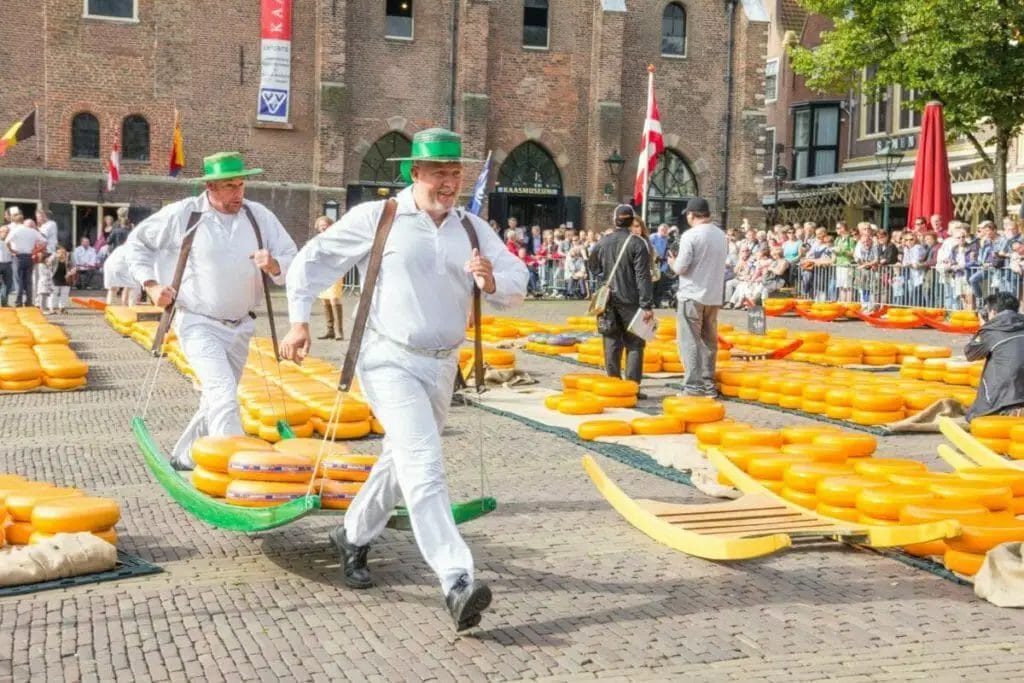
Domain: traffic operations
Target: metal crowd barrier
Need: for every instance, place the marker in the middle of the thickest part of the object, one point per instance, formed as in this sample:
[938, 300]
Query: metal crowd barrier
[953, 289]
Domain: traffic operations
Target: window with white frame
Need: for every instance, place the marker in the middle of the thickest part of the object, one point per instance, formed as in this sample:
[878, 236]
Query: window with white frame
[112, 9]
[771, 80]
[815, 140]
[874, 110]
[535, 23]
[910, 117]
[769, 151]
[398, 19]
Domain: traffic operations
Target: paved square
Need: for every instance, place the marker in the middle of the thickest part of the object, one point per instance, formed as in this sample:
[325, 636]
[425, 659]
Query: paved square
[579, 594]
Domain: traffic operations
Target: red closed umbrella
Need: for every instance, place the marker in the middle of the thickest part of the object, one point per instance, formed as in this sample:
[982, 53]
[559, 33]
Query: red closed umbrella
[931, 192]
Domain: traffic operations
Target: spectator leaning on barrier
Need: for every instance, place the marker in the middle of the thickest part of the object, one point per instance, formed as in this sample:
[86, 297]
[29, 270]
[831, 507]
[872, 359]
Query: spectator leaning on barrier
[842, 253]
[1000, 341]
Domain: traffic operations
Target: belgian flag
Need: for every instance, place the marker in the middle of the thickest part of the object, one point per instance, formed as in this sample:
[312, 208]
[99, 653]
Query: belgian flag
[22, 130]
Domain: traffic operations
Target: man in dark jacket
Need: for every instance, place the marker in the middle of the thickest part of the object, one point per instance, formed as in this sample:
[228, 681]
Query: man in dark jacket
[1000, 342]
[631, 289]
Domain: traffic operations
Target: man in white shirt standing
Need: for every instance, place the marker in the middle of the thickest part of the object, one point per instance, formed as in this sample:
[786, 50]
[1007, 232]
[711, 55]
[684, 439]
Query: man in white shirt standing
[86, 261]
[6, 268]
[700, 264]
[221, 287]
[417, 321]
[48, 229]
[22, 241]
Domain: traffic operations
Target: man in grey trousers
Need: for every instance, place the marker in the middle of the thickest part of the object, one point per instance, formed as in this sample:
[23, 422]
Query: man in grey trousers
[700, 264]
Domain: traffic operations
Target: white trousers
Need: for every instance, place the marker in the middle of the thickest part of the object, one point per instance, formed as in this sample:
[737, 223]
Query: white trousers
[410, 395]
[217, 353]
[60, 297]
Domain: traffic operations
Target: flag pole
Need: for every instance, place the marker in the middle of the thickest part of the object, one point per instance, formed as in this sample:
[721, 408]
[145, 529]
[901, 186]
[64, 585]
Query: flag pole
[647, 164]
[37, 136]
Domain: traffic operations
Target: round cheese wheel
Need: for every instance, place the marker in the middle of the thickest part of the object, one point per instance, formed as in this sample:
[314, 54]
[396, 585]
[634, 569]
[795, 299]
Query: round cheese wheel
[839, 397]
[938, 509]
[108, 535]
[571, 381]
[710, 433]
[213, 452]
[883, 467]
[551, 402]
[923, 351]
[844, 513]
[967, 564]
[592, 429]
[311, 447]
[875, 417]
[21, 504]
[804, 476]
[842, 490]
[580, 405]
[996, 475]
[927, 549]
[801, 498]
[741, 455]
[21, 385]
[876, 402]
[348, 410]
[852, 445]
[586, 382]
[263, 493]
[616, 401]
[749, 393]
[1002, 446]
[984, 532]
[347, 467]
[885, 502]
[922, 479]
[270, 465]
[337, 495]
[615, 387]
[657, 424]
[752, 437]
[209, 482]
[995, 497]
[769, 397]
[63, 384]
[290, 411]
[772, 467]
[771, 485]
[816, 452]
[18, 533]
[805, 434]
[694, 410]
[376, 427]
[995, 426]
[74, 514]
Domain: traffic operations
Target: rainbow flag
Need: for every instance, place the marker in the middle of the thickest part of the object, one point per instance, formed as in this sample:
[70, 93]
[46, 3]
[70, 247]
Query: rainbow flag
[177, 148]
[22, 130]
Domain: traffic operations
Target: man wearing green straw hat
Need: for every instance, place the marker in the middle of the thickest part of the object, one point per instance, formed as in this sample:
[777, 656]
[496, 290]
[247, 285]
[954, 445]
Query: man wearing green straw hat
[416, 323]
[228, 243]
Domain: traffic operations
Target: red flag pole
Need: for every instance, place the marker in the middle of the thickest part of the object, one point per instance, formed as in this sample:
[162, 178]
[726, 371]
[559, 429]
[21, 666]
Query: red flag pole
[647, 163]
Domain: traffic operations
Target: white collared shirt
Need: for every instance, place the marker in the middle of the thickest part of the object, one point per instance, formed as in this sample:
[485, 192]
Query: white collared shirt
[423, 293]
[85, 257]
[49, 231]
[22, 239]
[220, 279]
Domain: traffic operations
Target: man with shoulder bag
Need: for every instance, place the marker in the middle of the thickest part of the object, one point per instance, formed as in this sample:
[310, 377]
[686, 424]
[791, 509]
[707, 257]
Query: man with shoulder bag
[623, 263]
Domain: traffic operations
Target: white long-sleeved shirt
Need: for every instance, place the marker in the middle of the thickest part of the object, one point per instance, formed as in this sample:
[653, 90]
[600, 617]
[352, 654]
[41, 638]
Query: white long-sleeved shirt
[220, 279]
[49, 231]
[116, 272]
[423, 291]
[85, 257]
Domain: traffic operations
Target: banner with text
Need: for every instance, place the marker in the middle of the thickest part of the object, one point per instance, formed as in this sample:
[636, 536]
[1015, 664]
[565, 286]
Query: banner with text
[275, 61]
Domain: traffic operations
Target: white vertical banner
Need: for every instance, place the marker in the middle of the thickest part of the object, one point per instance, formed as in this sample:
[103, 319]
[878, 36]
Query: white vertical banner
[275, 61]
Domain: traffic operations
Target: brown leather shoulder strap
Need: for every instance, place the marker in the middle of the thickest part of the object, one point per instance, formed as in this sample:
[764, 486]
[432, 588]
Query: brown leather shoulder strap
[266, 282]
[179, 274]
[348, 369]
[478, 344]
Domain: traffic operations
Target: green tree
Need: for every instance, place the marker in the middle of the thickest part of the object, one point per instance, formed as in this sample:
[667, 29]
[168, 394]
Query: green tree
[965, 53]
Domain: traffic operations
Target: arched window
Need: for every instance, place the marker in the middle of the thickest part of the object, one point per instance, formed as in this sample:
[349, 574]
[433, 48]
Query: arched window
[669, 188]
[376, 168]
[673, 30]
[398, 19]
[85, 136]
[135, 138]
[529, 169]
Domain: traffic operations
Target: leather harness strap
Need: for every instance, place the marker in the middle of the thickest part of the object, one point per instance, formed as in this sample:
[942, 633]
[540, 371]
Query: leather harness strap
[179, 273]
[266, 283]
[478, 344]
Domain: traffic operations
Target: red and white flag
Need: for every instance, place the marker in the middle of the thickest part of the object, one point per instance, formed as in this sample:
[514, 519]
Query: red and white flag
[651, 144]
[114, 167]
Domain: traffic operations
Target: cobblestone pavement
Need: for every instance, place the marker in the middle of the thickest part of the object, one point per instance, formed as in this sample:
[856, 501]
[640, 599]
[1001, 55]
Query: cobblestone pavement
[579, 594]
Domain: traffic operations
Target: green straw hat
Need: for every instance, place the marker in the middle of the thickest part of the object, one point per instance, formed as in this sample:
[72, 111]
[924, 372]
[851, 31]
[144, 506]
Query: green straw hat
[433, 144]
[225, 165]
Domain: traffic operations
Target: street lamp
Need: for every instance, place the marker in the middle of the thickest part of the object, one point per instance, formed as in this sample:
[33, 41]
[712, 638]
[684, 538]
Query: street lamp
[889, 158]
[615, 164]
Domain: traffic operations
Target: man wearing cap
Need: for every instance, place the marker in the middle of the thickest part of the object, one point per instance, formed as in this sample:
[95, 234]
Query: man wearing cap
[220, 289]
[409, 357]
[700, 264]
[623, 262]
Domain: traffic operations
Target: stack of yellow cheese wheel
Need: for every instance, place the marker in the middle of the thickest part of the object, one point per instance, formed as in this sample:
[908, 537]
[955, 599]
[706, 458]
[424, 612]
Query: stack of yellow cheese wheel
[995, 432]
[35, 353]
[212, 455]
[34, 511]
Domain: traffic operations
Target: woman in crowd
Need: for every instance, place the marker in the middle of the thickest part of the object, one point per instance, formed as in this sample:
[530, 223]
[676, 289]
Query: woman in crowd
[334, 314]
[62, 276]
[575, 274]
[865, 260]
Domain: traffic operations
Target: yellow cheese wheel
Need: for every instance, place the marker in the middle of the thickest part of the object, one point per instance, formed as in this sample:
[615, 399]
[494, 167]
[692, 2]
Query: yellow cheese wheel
[616, 401]
[580, 405]
[349, 410]
[816, 391]
[996, 475]
[927, 549]
[876, 402]
[874, 521]
[814, 407]
[20, 485]
[213, 452]
[592, 429]
[375, 426]
[74, 514]
[21, 385]
[263, 493]
[769, 397]
[499, 358]
[270, 465]
[852, 445]
[20, 504]
[877, 348]
[586, 382]
[838, 412]
[268, 433]
[804, 476]
[885, 502]
[1002, 446]
[615, 387]
[749, 393]
[805, 434]
[844, 513]
[347, 467]
[337, 495]
[290, 411]
[771, 485]
[694, 410]
[882, 467]
[984, 532]
[924, 479]
[668, 366]
[551, 402]
[842, 490]
[772, 467]
[108, 535]
[741, 455]
[209, 482]
[752, 437]
[938, 509]
[63, 384]
[874, 417]
[730, 390]
[995, 426]
[710, 433]
[801, 498]
[995, 497]
[924, 351]
[967, 564]
[18, 533]
[816, 452]
[1017, 433]
[839, 397]
[311, 447]
[657, 424]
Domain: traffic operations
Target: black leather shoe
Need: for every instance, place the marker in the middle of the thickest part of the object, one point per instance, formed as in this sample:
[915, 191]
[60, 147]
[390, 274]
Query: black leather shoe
[466, 600]
[353, 560]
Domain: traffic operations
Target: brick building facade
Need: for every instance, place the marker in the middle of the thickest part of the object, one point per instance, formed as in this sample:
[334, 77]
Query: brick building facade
[550, 89]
